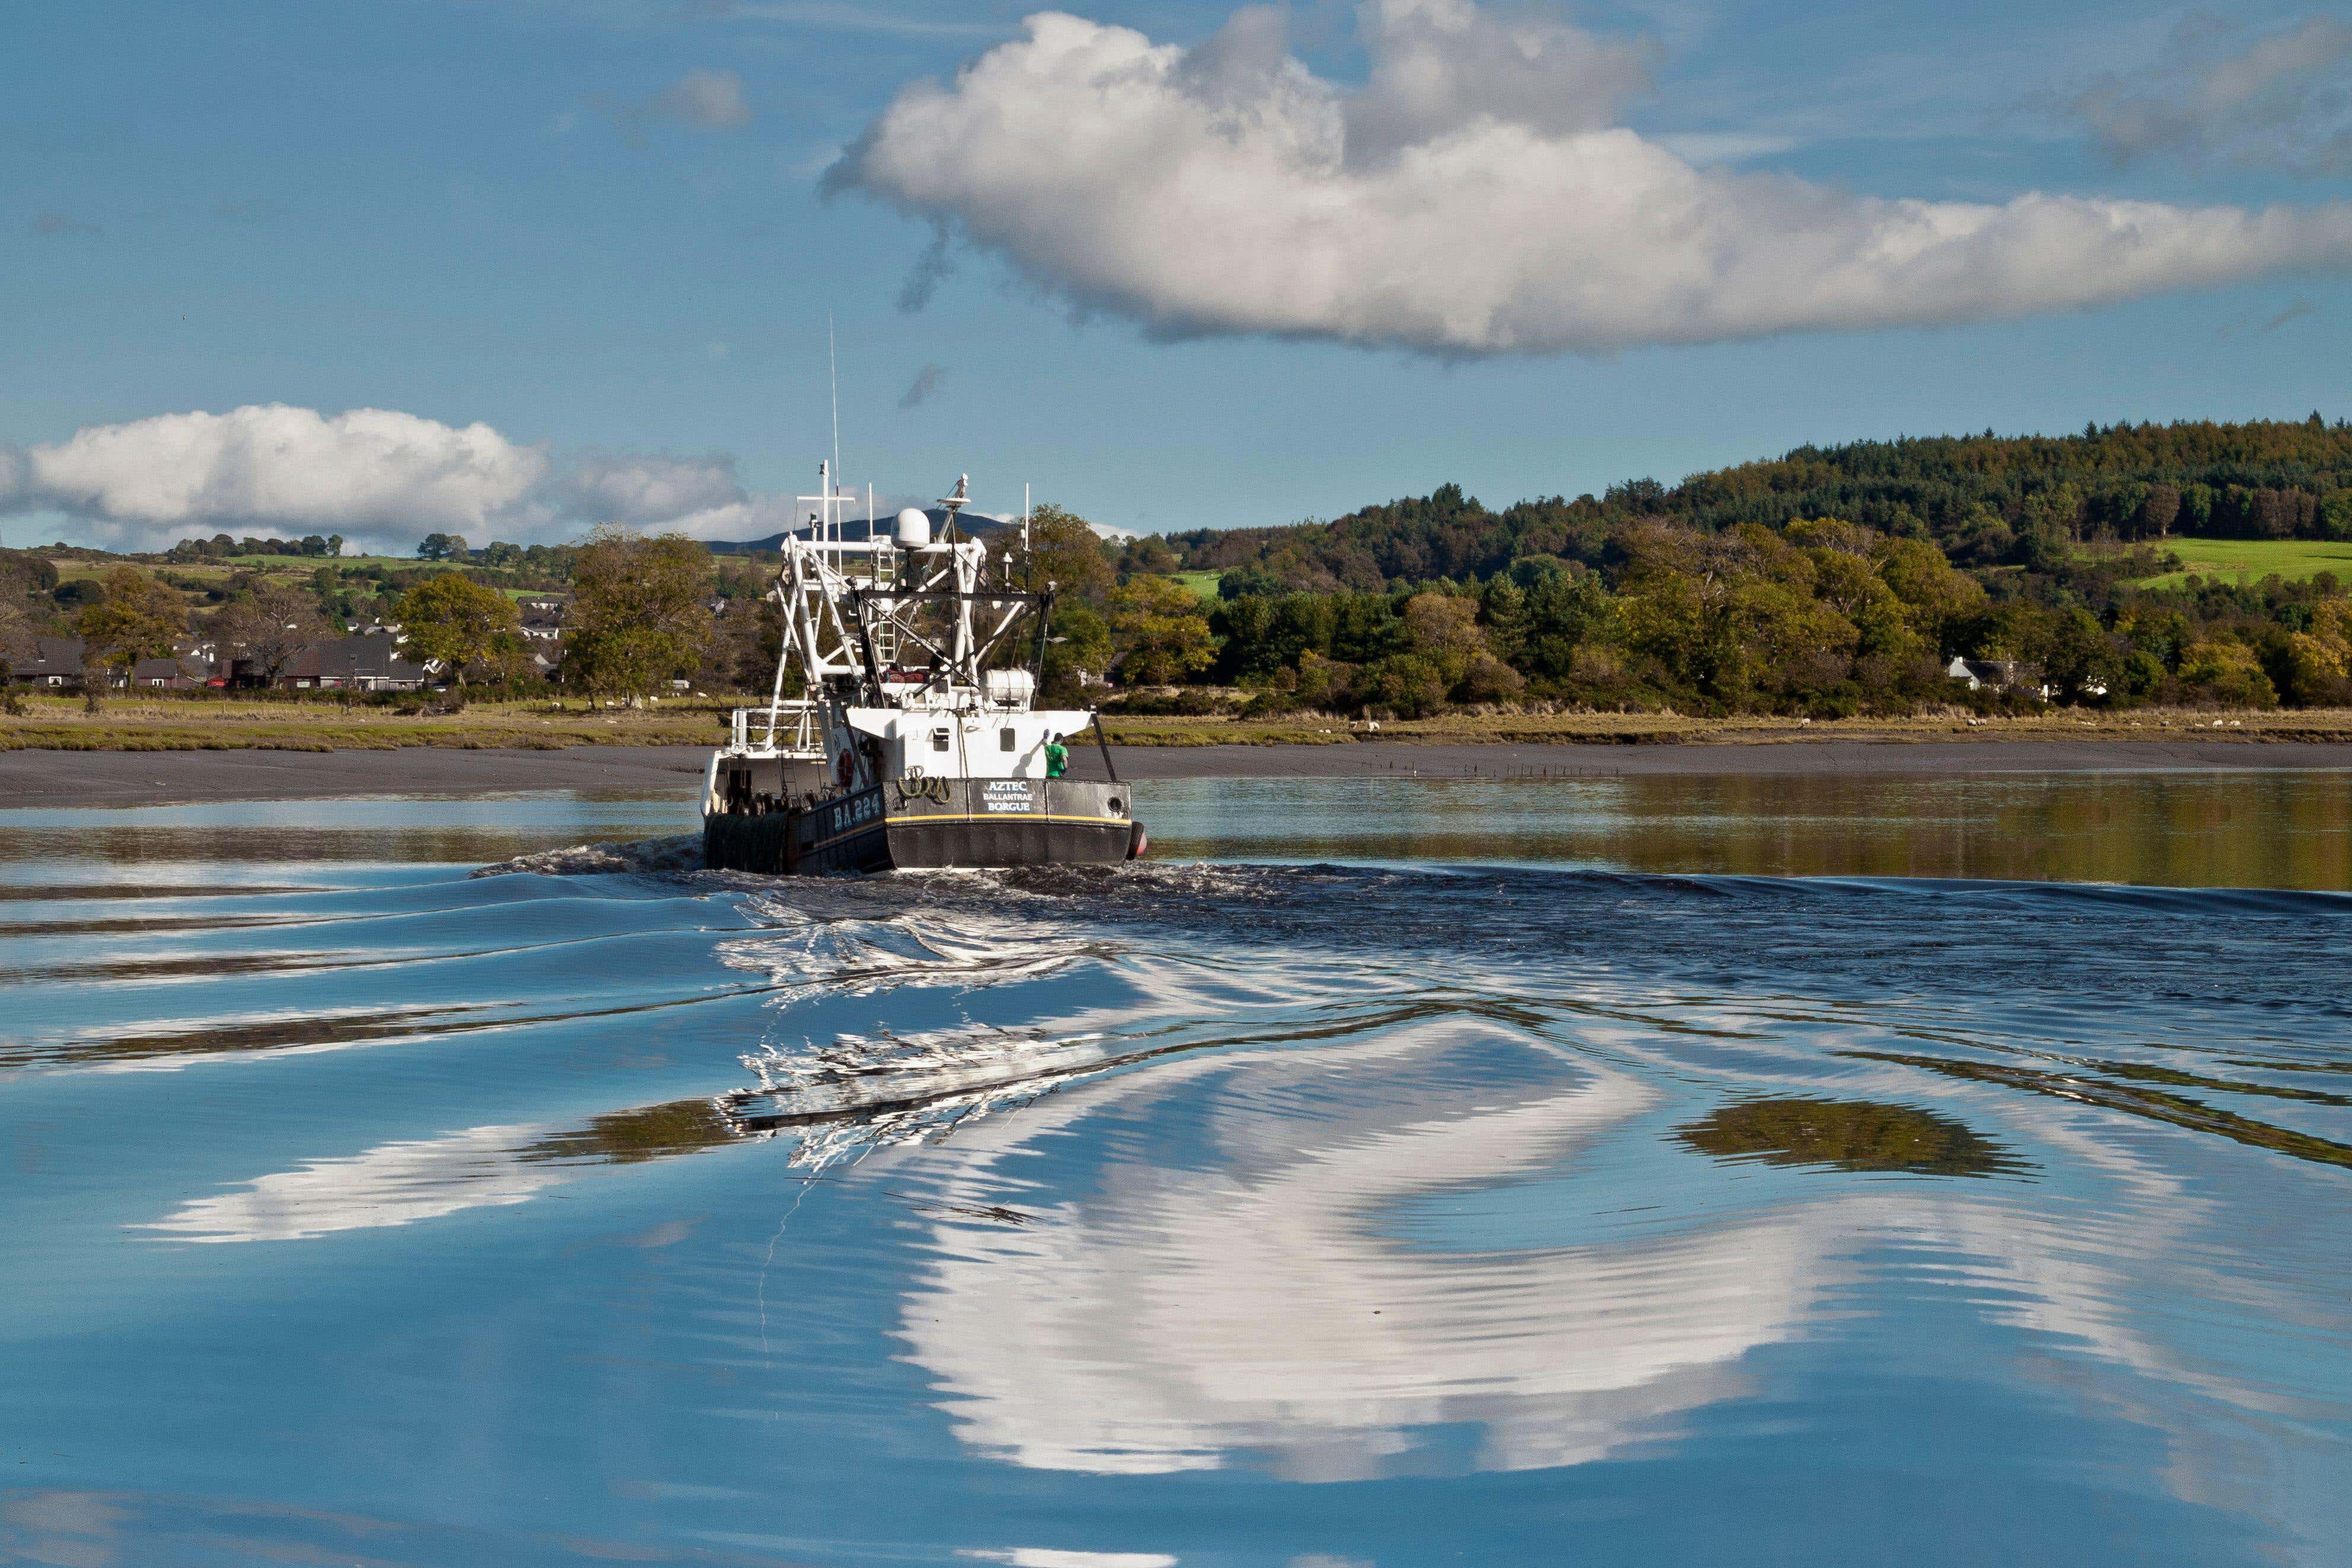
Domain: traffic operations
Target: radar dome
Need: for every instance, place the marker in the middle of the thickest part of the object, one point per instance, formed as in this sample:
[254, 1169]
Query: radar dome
[913, 529]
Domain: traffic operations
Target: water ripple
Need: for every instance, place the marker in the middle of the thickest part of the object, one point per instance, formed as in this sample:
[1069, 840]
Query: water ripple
[1161, 1211]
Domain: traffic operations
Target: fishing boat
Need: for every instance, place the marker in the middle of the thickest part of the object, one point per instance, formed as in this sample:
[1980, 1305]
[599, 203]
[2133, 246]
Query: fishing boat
[903, 730]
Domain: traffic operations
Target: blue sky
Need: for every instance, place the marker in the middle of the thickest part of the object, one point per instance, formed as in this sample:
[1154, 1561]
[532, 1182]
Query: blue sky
[598, 229]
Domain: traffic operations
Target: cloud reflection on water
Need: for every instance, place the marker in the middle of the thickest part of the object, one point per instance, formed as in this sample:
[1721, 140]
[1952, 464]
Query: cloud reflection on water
[1184, 1317]
[1271, 1304]
[391, 1185]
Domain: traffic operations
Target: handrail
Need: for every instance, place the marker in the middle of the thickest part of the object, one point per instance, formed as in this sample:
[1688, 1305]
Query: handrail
[743, 736]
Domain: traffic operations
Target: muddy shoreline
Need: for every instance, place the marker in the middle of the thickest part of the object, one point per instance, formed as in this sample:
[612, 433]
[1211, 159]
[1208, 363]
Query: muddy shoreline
[53, 779]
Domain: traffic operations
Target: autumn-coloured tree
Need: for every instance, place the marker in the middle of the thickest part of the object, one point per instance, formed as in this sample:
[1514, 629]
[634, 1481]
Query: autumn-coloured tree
[640, 611]
[453, 620]
[1160, 629]
[1064, 553]
[134, 617]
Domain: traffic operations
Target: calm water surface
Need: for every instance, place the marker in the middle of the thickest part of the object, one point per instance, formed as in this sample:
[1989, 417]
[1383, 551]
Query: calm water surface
[1644, 1170]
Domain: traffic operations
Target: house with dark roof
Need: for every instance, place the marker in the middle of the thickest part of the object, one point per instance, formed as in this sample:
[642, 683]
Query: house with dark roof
[54, 665]
[371, 662]
[186, 672]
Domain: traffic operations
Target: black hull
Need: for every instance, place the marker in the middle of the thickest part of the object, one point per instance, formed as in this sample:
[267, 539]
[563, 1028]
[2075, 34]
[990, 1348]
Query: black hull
[957, 823]
[916, 844]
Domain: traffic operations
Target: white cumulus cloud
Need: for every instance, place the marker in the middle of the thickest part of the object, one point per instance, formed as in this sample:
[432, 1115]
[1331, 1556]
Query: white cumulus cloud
[370, 474]
[1473, 196]
[271, 465]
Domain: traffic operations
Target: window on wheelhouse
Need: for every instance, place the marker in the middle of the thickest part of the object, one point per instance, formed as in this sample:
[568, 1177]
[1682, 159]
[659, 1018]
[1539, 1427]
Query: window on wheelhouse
[940, 739]
[1006, 740]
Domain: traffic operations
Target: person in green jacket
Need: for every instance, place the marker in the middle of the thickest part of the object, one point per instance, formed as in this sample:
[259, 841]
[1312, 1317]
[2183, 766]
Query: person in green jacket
[1057, 756]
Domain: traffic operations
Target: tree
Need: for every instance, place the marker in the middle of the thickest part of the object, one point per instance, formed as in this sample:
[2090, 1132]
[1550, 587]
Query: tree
[442, 547]
[2078, 658]
[2224, 670]
[22, 572]
[268, 628]
[1640, 496]
[454, 621]
[1503, 615]
[1563, 613]
[1161, 633]
[1148, 556]
[1078, 641]
[2336, 515]
[1942, 604]
[134, 617]
[1407, 685]
[1443, 630]
[1064, 551]
[746, 642]
[15, 642]
[1264, 635]
[333, 600]
[2157, 509]
[639, 612]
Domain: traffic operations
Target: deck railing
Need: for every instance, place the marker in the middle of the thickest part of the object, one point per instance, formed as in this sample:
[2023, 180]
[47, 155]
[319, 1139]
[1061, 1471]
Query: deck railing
[789, 726]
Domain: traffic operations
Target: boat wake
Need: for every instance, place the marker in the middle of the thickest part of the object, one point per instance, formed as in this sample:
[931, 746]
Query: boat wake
[672, 853]
[864, 1092]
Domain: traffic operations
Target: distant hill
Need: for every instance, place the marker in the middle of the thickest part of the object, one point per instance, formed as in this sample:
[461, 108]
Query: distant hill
[1985, 499]
[978, 524]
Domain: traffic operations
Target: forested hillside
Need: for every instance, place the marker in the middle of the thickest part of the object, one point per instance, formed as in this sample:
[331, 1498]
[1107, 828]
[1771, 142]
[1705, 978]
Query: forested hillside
[1985, 500]
[1827, 582]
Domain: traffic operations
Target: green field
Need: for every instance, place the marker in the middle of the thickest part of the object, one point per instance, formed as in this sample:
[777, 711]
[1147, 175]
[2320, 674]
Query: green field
[288, 570]
[1204, 584]
[304, 562]
[75, 566]
[2253, 560]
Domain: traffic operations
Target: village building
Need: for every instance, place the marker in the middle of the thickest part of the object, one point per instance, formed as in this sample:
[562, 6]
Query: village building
[372, 662]
[1997, 675]
[542, 627]
[55, 665]
[2011, 675]
[184, 673]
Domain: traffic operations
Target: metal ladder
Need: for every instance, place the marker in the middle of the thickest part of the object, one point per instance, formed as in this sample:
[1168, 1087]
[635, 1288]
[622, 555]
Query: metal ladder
[886, 629]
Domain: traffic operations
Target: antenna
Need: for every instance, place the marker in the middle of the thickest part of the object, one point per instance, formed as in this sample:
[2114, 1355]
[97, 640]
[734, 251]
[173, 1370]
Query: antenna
[833, 366]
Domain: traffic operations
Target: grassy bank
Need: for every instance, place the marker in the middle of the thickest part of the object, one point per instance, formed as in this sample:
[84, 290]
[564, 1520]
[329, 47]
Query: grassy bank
[170, 723]
[182, 724]
[1651, 729]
